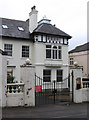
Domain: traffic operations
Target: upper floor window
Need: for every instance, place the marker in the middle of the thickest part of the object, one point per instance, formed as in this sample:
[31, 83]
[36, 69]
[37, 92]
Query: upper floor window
[8, 49]
[71, 61]
[53, 52]
[25, 51]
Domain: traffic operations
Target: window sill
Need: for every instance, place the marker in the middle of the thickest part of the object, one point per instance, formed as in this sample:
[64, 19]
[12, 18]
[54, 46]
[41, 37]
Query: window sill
[24, 58]
[48, 59]
[9, 57]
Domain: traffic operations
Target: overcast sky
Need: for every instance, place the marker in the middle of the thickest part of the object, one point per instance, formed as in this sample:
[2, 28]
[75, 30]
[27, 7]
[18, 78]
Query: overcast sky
[68, 15]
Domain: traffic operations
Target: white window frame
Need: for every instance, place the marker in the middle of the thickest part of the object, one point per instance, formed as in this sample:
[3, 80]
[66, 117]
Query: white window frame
[25, 51]
[71, 61]
[47, 75]
[7, 49]
[54, 50]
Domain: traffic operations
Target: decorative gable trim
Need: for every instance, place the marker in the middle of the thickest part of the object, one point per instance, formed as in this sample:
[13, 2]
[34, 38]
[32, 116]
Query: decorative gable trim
[50, 39]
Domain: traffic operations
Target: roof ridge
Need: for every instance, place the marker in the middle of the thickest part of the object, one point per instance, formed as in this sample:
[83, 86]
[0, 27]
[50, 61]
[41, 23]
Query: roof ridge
[80, 48]
[12, 19]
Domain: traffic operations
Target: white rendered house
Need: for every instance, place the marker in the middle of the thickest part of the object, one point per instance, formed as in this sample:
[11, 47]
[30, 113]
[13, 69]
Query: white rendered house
[45, 45]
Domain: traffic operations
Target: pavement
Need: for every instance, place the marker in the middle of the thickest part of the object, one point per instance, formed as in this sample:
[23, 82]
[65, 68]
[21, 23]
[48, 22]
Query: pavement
[58, 111]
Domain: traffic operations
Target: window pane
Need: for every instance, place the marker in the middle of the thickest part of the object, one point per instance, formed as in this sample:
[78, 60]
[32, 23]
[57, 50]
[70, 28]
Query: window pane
[48, 53]
[54, 47]
[8, 49]
[48, 46]
[59, 75]
[59, 47]
[54, 54]
[46, 75]
[59, 54]
[71, 61]
[25, 51]
[59, 79]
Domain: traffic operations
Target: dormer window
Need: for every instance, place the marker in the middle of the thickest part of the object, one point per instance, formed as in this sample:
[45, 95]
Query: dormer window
[4, 26]
[20, 28]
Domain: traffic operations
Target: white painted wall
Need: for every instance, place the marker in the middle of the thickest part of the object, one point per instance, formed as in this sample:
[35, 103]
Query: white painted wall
[82, 59]
[85, 94]
[0, 86]
[16, 59]
[0, 80]
[16, 99]
[80, 95]
[3, 80]
[77, 93]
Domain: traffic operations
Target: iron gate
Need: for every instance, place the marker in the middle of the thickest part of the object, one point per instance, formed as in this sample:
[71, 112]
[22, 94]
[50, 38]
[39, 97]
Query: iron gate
[51, 92]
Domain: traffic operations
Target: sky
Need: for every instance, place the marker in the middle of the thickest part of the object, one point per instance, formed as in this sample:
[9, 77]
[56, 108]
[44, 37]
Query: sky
[68, 15]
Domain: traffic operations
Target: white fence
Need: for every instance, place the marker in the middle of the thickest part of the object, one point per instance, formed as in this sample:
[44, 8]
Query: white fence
[15, 88]
[85, 91]
[15, 94]
[85, 84]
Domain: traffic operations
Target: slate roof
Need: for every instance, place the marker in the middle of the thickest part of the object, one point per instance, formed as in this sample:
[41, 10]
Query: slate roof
[80, 48]
[12, 30]
[50, 29]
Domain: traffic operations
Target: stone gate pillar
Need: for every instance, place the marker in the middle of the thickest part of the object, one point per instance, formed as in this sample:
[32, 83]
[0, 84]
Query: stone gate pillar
[28, 77]
[3, 81]
[3, 78]
[76, 84]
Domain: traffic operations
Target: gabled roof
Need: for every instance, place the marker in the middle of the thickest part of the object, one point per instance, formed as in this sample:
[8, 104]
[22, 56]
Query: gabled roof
[50, 29]
[80, 48]
[12, 28]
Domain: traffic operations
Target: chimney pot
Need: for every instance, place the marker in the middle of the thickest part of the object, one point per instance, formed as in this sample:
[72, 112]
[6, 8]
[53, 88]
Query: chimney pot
[33, 8]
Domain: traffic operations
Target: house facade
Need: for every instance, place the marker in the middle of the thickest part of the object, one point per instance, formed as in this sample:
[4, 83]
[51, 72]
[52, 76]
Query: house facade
[44, 44]
[80, 55]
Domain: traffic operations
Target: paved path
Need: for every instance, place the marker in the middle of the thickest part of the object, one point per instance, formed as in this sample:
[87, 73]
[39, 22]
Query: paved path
[48, 111]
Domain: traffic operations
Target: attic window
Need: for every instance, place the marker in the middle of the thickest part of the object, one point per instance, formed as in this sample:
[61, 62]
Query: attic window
[20, 28]
[4, 26]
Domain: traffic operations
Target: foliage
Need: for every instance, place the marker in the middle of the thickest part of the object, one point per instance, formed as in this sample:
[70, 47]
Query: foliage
[10, 79]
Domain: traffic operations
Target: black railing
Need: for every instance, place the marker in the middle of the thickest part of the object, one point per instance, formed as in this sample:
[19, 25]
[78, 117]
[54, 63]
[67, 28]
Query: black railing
[51, 92]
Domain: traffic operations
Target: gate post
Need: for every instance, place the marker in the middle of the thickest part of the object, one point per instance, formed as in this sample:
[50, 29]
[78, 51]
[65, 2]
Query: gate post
[76, 84]
[72, 86]
[3, 81]
[28, 77]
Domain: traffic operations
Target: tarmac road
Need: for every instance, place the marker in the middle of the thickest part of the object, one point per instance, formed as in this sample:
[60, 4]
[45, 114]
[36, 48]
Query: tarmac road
[49, 111]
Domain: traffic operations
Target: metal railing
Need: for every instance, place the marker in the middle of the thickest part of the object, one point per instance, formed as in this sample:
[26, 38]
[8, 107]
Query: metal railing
[15, 88]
